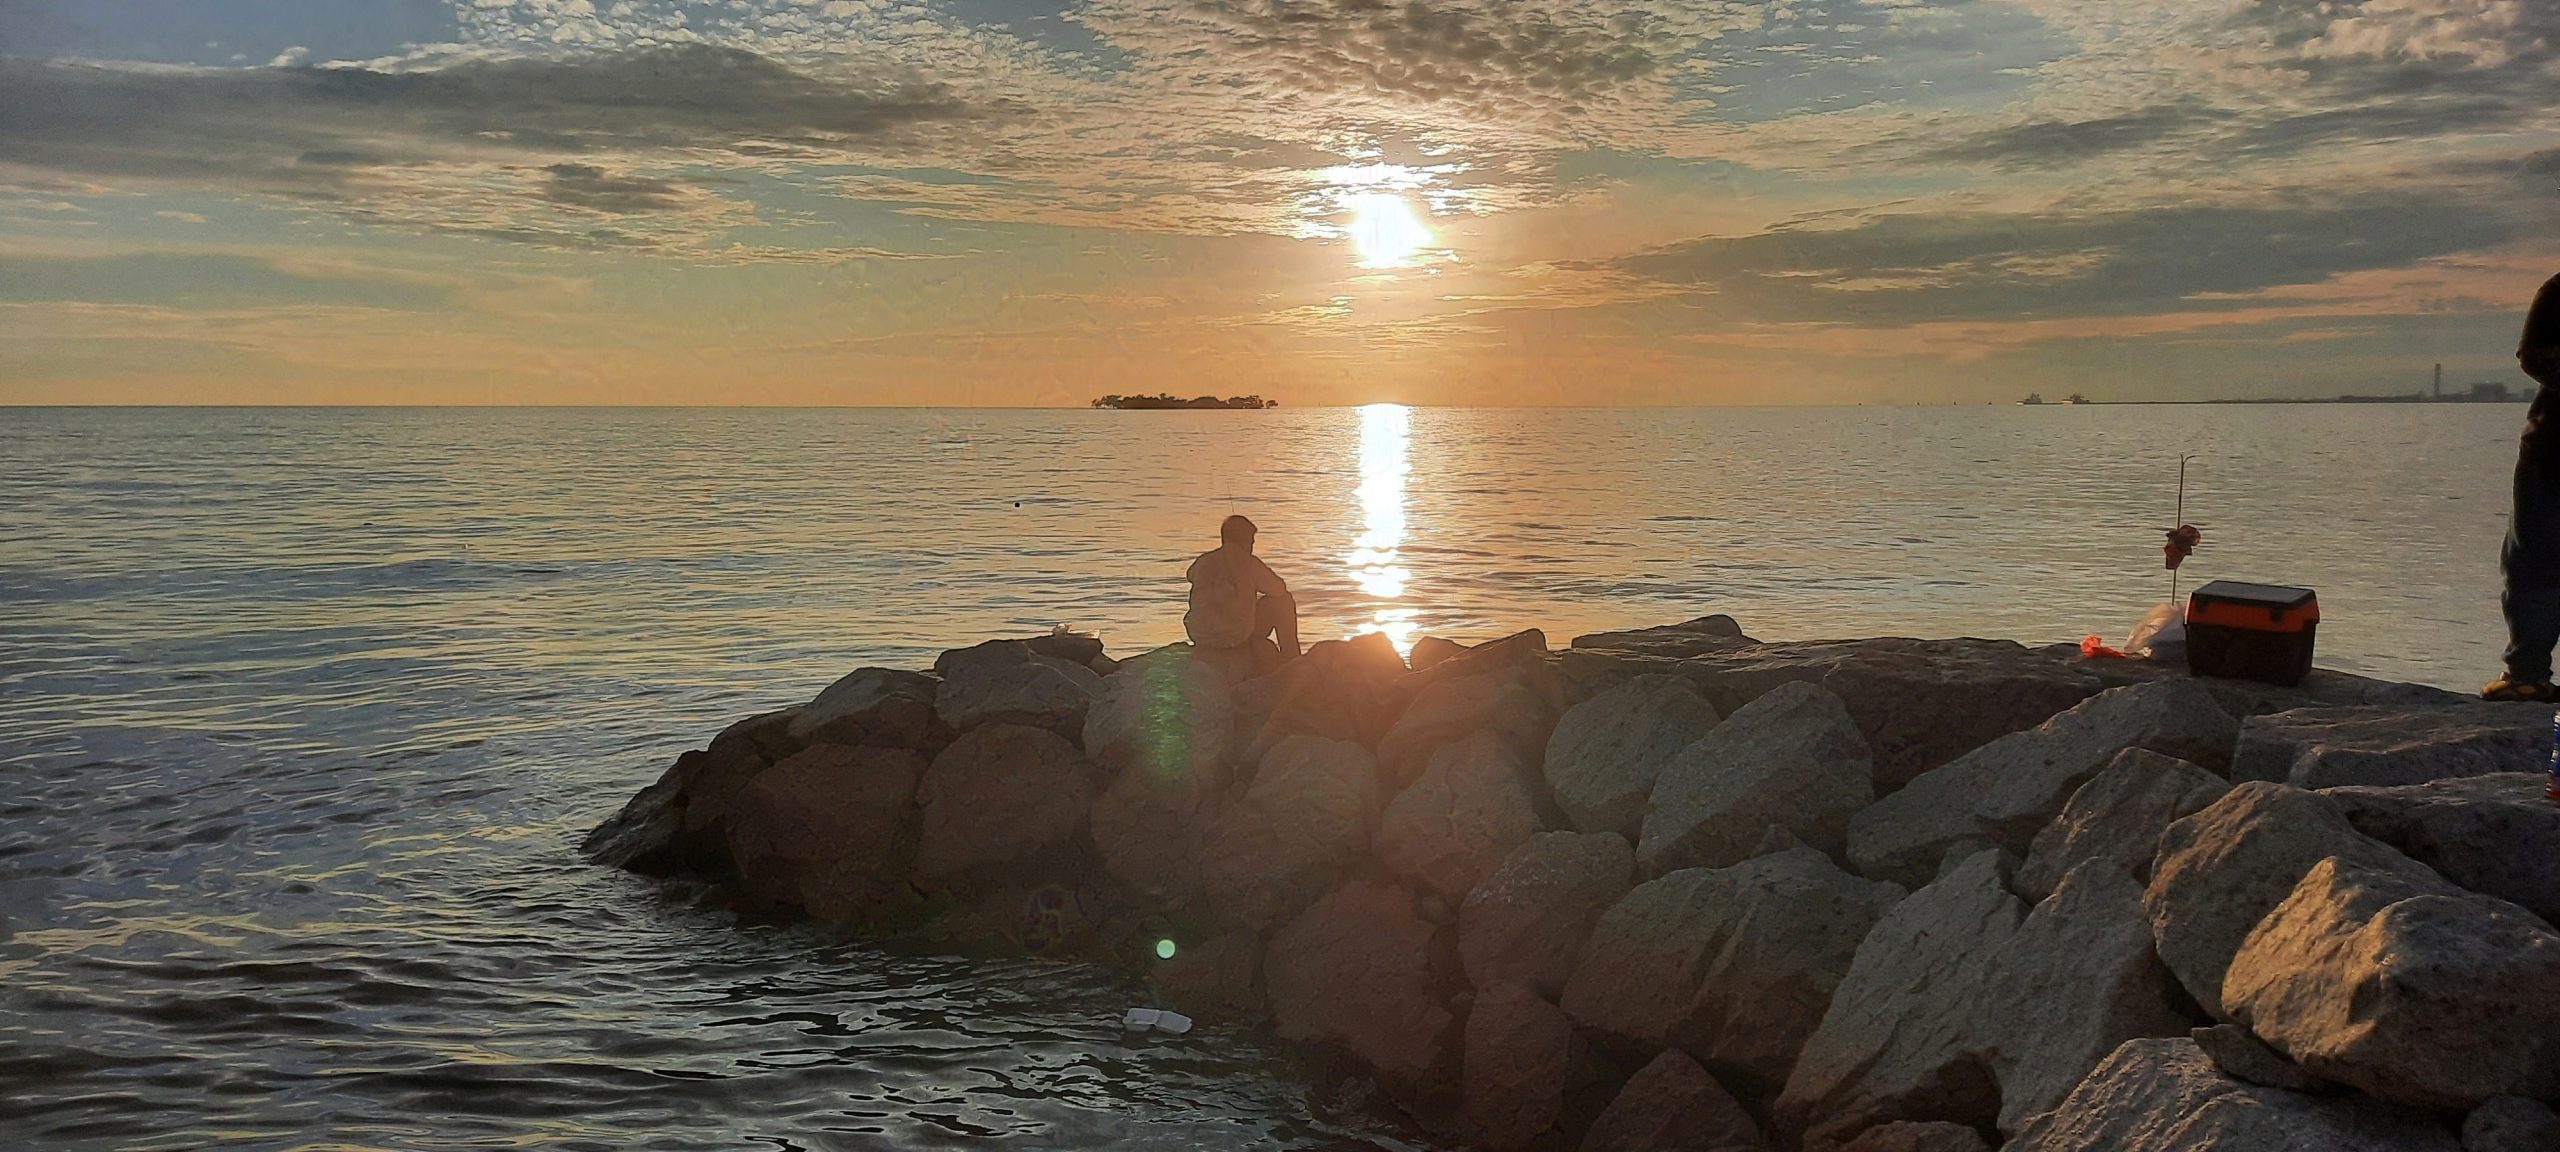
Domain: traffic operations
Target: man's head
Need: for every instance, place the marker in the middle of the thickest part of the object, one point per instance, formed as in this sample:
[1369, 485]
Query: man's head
[1236, 532]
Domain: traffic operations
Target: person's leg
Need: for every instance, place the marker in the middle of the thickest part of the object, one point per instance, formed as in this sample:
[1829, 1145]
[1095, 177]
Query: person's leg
[1276, 616]
[2531, 557]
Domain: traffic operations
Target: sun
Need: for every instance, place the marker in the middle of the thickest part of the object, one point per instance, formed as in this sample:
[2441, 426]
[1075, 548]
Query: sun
[1385, 231]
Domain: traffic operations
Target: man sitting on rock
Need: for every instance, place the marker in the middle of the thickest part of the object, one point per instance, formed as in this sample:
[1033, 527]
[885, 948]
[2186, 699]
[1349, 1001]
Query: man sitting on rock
[1236, 599]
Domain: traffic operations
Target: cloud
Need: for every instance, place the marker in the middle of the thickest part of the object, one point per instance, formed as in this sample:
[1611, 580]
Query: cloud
[2056, 143]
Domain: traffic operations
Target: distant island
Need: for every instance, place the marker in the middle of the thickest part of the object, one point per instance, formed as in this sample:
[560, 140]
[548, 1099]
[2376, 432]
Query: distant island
[1163, 400]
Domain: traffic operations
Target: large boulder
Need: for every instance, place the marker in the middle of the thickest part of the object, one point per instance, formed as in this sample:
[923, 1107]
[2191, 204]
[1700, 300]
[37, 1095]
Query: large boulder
[1360, 971]
[1673, 1105]
[2511, 1124]
[2163, 1095]
[2390, 979]
[2117, 817]
[1306, 819]
[1918, 1136]
[1000, 798]
[1602, 759]
[1038, 691]
[1509, 704]
[1455, 825]
[1904, 1037]
[1166, 719]
[2497, 835]
[2330, 747]
[1217, 979]
[1706, 634]
[1734, 965]
[1519, 1054]
[1340, 690]
[2220, 871]
[871, 707]
[2075, 981]
[1526, 923]
[1791, 759]
[820, 830]
[1921, 703]
[2006, 791]
[1149, 838]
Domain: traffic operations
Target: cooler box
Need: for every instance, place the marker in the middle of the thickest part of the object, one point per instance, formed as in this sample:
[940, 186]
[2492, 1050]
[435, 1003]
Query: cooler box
[2252, 631]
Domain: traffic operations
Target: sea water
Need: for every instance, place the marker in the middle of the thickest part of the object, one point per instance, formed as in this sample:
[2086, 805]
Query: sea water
[302, 711]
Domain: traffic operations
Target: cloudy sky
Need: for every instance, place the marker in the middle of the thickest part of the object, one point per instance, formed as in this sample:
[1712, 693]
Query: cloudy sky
[1325, 201]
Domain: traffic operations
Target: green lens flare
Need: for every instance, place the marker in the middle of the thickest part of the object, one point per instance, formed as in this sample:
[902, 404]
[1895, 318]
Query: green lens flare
[1164, 949]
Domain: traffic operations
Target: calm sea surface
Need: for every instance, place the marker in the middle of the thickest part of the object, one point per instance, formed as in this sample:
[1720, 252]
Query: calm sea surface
[301, 712]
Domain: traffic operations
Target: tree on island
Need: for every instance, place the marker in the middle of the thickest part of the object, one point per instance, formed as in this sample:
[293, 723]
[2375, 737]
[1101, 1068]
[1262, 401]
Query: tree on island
[1169, 400]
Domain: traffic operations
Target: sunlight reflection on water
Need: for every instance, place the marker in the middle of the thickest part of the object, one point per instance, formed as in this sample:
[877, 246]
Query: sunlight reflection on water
[1386, 443]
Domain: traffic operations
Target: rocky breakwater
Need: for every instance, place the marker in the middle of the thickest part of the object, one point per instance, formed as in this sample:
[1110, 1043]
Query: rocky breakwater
[1677, 889]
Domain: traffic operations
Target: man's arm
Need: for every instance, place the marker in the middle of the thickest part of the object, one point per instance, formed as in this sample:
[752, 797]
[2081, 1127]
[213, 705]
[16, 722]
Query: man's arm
[2539, 352]
[1266, 581]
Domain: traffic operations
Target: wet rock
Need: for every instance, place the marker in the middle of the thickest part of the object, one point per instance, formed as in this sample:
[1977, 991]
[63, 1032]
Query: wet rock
[2163, 1095]
[2330, 747]
[1357, 970]
[1455, 825]
[1217, 980]
[1519, 1054]
[1432, 651]
[1001, 796]
[2117, 818]
[1602, 759]
[1526, 923]
[2008, 790]
[2243, 1057]
[645, 835]
[2386, 978]
[2221, 870]
[1706, 634]
[2497, 835]
[1791, 759]
[1304, 822]
[1033, 691]
[1508, 706]
[1734, 965]
[1010, 917]
[871, 707]
[1168, 721]
[1673, 1105]
[819, 831]
[1918, 1136]
[1921, 703]
[1904, 1037]
[2511, 1124]
[2075, 982]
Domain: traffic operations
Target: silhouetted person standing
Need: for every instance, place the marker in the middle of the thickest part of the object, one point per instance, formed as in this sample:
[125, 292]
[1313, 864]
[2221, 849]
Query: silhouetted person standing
[1236, 599]
[2531, 559]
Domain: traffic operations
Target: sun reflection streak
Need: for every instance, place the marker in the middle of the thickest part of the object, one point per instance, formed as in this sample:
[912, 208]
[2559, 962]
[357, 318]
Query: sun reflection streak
[1386, 442]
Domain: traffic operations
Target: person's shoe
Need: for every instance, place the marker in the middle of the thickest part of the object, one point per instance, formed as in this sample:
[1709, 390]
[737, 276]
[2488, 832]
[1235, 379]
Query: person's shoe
[2529, 691]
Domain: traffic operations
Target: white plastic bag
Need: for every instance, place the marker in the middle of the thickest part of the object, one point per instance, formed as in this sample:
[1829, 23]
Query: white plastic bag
[2162, 635]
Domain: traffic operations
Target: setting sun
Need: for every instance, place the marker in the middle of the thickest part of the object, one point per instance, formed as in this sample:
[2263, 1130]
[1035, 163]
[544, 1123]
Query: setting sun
[1385, 230]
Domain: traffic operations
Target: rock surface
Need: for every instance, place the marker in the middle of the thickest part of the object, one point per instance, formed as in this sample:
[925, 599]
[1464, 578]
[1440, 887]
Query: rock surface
[1217, 980]
[875, 707]
[1526, 923]
[1357, 970]
[2165, 1096]
[2511, 1124]
[1519, 1053]
[1304, 822]
[2007, 791]
[1003, 795]
[1919, 1136]
[1341, 690]
[2117, 818]
[1455, 825]
[1791, 759]
[1904, 1037]
[1734, 965]
[1673, 1105]
[2497, 835]
[1717, 633]
[2077, 980]
[1035, 690]
[2330, 747]
[2244, 1057]
[1605, 753]
[819, 830]
[1167, 719]
[1511, 705]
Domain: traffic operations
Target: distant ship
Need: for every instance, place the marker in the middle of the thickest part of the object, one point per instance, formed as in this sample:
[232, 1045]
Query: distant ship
[2033, 398]
[2077, 398]
[2037, 399]
[1165, 400]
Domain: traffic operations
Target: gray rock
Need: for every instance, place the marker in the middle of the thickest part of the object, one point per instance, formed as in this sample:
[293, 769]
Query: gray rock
[1673, 1105]
[1455, 825]
[1791, 759]
[1304, 822]
[2244, 1057]
[1519, 1052]
[1002, 796]
[1355, 971]
[2511, 1124]
[1904, 1037]
[1603, 757]
[2117, 818]
[2077, 980]
[820, 830]
[1511, 705]
[2329, 747]
[2497, 835]
[2221, 870]
[645, 834]
[1035, 691]
[1526, 923]
[1167, 719]
[874, 707]
[1706, 634]
[2163, 1095]
[2389, 979]
[1734, 965]
[1918, 1136]
[2008, 790]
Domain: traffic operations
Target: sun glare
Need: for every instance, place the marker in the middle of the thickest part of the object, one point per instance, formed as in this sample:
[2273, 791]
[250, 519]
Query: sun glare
[1385, 231]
